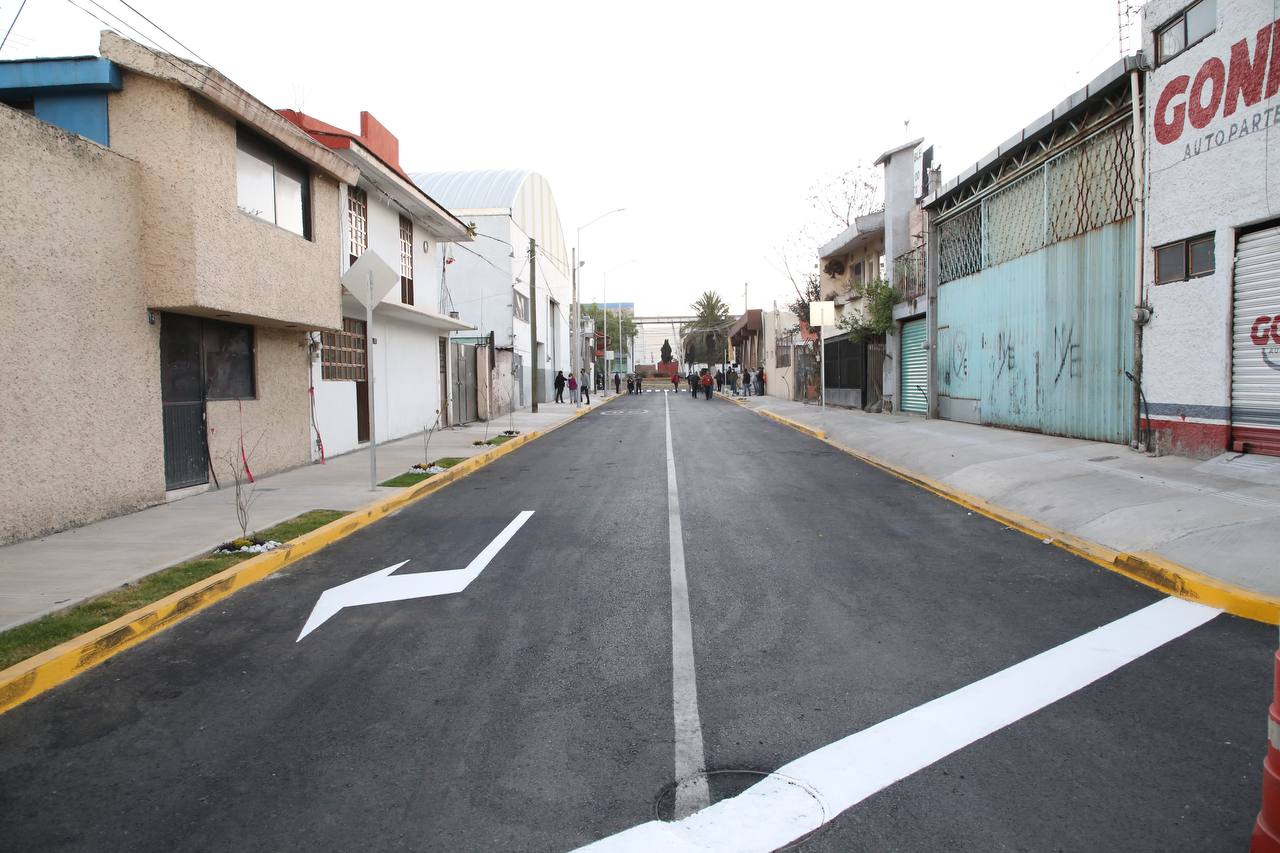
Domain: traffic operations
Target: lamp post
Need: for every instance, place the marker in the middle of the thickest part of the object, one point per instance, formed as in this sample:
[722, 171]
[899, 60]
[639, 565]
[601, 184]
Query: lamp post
[605, 287]
[575, 309]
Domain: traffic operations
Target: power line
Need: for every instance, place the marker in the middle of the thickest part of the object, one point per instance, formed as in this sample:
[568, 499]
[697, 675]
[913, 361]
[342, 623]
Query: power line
[172, 38]
[11, 23]
[196, 72]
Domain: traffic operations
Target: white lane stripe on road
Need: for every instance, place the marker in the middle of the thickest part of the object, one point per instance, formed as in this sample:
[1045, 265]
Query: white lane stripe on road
[692, 793]
[775, 812]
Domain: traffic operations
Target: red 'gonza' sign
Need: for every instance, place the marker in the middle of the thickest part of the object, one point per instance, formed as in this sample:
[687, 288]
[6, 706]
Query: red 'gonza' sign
[1221, 87]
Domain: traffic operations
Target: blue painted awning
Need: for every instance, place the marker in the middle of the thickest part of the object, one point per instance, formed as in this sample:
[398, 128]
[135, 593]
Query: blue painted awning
[73, 74]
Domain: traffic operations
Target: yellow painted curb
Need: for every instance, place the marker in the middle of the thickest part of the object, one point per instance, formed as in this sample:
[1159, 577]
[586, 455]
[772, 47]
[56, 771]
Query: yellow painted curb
[1144, 567]
[734, 400]
[33, 676]
[796, 425]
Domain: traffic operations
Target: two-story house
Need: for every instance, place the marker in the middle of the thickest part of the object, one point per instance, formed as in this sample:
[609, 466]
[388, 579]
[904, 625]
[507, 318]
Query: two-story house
[169, 242]
[385, 213]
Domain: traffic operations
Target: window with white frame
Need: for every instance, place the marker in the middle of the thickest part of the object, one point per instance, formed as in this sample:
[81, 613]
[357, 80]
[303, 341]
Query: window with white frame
[271, 185]
[357, 221]
[519, 305]
[406, 260]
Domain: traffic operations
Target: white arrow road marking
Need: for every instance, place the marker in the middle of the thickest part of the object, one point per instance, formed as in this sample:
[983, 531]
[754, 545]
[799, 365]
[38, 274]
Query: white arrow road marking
[776, 811]
[382, 586]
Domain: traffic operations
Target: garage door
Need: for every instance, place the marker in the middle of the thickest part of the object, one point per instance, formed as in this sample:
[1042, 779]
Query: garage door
[913, 374]
[1255, 350]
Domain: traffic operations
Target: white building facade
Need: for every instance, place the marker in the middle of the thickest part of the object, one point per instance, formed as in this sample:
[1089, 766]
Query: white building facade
[1211, 350]
[489, 282]
[386, 214]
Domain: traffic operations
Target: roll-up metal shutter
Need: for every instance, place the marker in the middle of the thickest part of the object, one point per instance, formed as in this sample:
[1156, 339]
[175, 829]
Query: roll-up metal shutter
[913, 368]
[1255, 349]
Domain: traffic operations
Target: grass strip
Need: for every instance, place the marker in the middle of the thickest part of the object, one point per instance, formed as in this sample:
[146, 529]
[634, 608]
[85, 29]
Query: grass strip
[500, 439]
[412, 478]
[19, 643]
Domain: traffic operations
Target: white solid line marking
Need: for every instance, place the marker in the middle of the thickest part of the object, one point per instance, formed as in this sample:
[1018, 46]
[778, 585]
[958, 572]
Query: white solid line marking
[692, 794]
[382, 586]
[775, 812]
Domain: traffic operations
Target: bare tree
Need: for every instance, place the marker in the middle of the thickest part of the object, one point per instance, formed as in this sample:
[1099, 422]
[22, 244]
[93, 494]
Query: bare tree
[834, 203]
[246, 488]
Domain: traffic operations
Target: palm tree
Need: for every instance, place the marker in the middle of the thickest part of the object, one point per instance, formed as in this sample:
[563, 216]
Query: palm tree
[705, 337]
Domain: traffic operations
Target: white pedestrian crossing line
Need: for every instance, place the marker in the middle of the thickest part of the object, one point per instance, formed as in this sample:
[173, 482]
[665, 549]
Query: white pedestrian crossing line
[777, 811]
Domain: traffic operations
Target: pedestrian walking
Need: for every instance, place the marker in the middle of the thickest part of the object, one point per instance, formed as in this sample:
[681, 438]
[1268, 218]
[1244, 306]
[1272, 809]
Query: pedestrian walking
[675, 383]
[631, 384]
[573, 389]
[760, 382]
[639, 383]
[585, 385]
[708, 382]
[617, 384]
[719, 380]
[559, 383]
[733, 382]
[692, 378]
[746, 382]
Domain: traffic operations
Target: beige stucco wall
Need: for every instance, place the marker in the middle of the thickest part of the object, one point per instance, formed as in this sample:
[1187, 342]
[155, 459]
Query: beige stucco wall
[80, 424]
[277, 424]
[202, 254]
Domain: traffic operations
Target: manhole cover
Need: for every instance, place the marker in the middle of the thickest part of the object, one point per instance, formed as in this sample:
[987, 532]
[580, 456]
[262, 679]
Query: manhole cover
[725, 784]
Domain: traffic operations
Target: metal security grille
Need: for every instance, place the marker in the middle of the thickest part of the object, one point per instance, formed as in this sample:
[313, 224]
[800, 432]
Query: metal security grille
[1014, 220]
[960, 244]
[1255, 350]
[913, 368]
[1085, 187]
[342, 354]
[1091, 185]
[909, 273]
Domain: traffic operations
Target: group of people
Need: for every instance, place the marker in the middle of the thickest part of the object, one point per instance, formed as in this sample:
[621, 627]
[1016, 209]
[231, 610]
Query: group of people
[574, 385]
[743, 384]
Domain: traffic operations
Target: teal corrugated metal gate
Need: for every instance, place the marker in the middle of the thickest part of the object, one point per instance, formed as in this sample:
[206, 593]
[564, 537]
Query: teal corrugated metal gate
[913, 371]
[1041, 342]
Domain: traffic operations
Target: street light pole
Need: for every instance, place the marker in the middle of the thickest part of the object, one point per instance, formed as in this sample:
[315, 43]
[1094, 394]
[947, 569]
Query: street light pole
[576, 309]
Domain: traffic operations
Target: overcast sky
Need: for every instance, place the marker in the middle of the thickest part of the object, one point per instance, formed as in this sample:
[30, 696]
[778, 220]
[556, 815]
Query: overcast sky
[709, 122]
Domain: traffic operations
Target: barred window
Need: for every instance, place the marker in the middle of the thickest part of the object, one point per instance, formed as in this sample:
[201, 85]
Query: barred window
[343, 355]
[782, 352]
[358, 221]
[406, 260]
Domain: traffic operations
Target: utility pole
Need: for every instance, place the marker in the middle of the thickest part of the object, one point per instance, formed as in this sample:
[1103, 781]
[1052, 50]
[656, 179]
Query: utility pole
[533, 320]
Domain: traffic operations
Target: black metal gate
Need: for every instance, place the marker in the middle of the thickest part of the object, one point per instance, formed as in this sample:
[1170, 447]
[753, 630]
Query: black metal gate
[186, 454]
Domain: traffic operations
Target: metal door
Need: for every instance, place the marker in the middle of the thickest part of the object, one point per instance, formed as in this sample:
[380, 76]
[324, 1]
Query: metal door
[444, 383]
[1255, 349]
[186, 452]
[873, 398]
[517, 379]
[913, 368]
[465, 402]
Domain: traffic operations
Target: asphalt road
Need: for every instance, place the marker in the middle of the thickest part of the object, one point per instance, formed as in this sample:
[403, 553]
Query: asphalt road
[533, 711]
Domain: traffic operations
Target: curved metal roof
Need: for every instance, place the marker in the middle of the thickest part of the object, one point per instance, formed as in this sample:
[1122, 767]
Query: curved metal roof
[486, 189]
[522, 194]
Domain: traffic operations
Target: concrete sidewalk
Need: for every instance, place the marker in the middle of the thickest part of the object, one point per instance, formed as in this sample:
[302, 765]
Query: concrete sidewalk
[44, 575]
[1220, 517]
